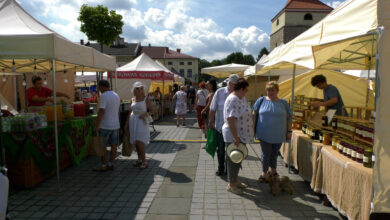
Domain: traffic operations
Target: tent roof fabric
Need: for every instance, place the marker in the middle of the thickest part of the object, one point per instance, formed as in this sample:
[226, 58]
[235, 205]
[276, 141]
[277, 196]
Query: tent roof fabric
[224, 71]
[25, 41]
[346, 21]
[352, 89]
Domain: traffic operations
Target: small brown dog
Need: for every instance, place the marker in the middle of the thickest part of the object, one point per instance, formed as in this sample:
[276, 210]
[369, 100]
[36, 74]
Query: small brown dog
[280, 183]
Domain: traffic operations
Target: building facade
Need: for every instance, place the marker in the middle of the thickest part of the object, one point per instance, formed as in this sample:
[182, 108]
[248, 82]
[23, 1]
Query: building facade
[296, 17]
[187, 66]
[122, 51]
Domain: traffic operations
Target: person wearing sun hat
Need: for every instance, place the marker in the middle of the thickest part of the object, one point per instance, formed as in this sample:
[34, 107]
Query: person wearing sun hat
[140, 109]
[237, 130]
[216, 119]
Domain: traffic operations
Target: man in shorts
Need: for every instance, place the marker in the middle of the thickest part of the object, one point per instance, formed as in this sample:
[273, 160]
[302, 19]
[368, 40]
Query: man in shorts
[108, 123]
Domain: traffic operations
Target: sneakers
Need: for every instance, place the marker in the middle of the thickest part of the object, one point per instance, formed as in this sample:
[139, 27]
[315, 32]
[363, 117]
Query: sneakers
[100, 168]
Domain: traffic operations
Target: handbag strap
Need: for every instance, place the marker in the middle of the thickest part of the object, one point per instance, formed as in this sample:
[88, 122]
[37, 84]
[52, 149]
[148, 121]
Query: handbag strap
[257, 112]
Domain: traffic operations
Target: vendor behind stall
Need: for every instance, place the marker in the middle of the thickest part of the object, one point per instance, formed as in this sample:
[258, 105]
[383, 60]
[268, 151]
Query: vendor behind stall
[332, 98]
[37, 95]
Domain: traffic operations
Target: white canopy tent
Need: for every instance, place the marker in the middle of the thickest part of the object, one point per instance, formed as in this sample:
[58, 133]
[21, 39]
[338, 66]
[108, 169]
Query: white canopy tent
[29, 46]
[142, 69]
[223, 71]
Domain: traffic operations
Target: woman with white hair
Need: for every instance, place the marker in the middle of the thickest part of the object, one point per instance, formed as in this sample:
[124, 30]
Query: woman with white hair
[181, 105]
[140, 109]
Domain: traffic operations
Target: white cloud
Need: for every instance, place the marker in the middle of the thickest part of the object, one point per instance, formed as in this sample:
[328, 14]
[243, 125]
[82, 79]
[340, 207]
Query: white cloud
[334, 4]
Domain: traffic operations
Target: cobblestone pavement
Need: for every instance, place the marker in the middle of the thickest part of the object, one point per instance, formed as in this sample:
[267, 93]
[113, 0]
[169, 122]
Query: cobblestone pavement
[180, 183]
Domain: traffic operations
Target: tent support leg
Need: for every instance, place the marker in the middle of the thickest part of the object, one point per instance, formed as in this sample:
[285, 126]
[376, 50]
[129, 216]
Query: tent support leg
[56, 123]
[292, 109]
[162, 102]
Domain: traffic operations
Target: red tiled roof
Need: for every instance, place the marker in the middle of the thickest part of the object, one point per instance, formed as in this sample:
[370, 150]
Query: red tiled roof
[306, 4]
[164, 53]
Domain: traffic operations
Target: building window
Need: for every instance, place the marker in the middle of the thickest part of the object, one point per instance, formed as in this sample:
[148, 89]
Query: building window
[169, 63]
[181, 63]
[277, 22]
[189, 63]
[189, 73]
[308, 17]
[182, 71]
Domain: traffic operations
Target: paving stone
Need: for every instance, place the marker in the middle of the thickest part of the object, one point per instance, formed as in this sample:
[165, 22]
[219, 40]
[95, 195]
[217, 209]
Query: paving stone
[170, 206]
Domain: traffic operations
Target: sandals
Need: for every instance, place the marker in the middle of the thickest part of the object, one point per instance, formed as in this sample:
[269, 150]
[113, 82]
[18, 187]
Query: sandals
[137, 163]
[242, 185]
[235, 190]
[262, 179]
[143, 166]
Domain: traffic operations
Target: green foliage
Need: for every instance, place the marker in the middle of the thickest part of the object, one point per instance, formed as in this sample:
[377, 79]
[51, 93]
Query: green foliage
[99, 24]
[236, 57]
[262, 52]
[249, 60]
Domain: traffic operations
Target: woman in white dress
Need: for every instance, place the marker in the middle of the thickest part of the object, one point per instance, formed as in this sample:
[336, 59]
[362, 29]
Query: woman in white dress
[141, 107]
[181, 106]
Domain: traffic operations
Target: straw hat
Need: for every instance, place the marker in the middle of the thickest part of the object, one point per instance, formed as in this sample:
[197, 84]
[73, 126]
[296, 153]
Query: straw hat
[237, 153]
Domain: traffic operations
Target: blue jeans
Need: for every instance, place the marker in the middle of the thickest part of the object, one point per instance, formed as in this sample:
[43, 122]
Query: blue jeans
[269, 154]
[221, 152]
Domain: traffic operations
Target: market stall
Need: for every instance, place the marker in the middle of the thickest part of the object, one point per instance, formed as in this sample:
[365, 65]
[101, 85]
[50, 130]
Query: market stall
[30, 48]
[347, 182]
[142, 69]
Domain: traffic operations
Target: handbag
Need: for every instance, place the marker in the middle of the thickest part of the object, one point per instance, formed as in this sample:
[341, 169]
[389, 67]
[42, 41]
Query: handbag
[127, 148]
[148, 119]
[96, 146]
[257, 113]
[212, 142]
[204, 115]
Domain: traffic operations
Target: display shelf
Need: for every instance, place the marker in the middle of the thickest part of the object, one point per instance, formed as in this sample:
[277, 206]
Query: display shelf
[363, 141]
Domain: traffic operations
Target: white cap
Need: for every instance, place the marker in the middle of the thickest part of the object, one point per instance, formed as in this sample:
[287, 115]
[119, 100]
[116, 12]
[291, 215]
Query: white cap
[137, 85]
[233, 78]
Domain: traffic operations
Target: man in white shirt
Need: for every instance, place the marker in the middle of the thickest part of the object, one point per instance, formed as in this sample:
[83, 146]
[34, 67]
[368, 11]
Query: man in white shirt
[216, 119]
[108, 123]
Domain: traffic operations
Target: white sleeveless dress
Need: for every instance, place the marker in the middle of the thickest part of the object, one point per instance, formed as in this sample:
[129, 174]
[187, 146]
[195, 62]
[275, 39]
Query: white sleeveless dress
[139, 131]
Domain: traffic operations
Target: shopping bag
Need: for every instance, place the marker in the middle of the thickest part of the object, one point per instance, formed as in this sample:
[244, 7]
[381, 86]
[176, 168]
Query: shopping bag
[96, 146]
[212, 142]
[127, 149]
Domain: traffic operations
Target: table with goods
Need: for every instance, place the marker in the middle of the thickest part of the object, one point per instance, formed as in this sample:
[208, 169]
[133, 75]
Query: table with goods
[335, 155]
[28, 140]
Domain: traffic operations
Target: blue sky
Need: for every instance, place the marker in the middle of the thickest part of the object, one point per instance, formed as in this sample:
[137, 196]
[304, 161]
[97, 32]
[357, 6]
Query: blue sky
[208, 29]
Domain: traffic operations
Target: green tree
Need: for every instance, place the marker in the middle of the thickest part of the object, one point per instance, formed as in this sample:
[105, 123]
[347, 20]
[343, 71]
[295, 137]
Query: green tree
[249, 60]
[99, 24]
[236, 57]
[262, 52]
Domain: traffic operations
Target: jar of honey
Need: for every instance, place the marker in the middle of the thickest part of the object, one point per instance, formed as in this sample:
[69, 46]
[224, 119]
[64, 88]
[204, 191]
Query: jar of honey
[321, 136]
[327, 138]
[335, 143]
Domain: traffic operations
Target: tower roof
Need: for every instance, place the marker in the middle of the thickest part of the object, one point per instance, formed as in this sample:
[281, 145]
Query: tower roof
[304, 5]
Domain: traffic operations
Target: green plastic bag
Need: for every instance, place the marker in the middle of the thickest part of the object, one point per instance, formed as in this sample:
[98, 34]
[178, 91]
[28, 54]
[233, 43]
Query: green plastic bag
[212, 142]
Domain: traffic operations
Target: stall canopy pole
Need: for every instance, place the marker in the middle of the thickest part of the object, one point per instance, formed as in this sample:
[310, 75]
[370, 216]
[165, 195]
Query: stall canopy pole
[368, 81]
[292, 109]
[55, 122]
[377, 77]
[116, 81]
[162, 102]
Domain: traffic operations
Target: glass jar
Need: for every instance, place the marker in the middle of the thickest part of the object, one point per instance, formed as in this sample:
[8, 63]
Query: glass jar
[299, 125]
[294, 125]
[348, 151]
[335, 142]
[304, 126]
[367, 157]
[324, 120]
[321, 136]
[354, 151]
[334, 123]
[360, 153]
[327, 138]
[340, 146]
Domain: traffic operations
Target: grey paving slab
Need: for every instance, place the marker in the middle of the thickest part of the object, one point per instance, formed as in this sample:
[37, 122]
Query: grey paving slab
[165, 217]
[170, 206]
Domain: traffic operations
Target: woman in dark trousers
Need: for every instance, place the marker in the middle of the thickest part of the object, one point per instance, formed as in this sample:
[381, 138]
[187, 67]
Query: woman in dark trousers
[273, 126]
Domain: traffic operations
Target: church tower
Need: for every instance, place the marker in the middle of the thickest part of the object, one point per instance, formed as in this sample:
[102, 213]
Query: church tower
[296, 17]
